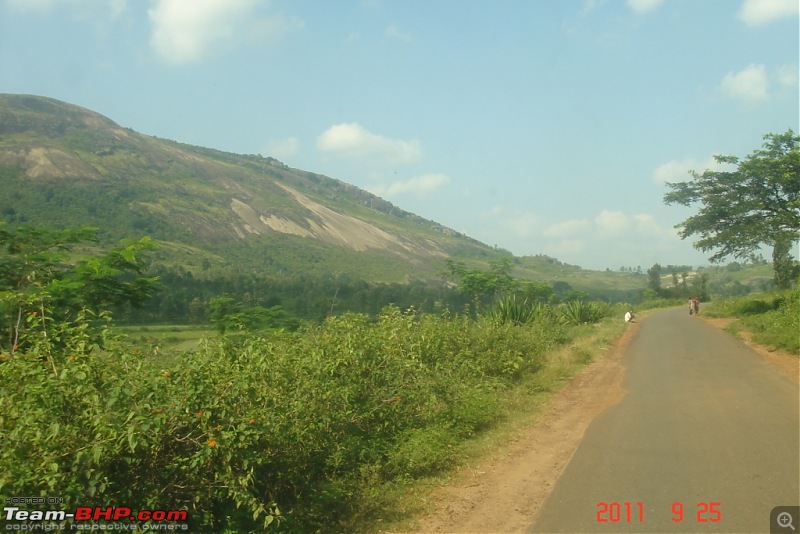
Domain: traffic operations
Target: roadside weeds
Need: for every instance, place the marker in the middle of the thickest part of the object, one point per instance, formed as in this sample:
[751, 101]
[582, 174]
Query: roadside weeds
[507, 474]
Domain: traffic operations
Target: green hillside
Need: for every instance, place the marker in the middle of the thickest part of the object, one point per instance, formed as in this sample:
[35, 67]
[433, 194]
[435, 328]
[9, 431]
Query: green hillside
[236, 224]
[64, 165]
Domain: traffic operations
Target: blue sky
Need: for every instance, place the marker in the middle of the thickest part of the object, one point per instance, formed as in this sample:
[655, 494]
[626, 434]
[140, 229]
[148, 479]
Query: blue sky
[541, 126]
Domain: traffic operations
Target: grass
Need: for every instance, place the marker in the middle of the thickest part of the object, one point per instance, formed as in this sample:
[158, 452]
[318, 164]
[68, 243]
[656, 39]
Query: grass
[393, 507]
[171, 340]
[773, 318]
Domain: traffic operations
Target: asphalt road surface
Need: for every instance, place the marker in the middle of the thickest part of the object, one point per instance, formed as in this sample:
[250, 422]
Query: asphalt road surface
[706, 439]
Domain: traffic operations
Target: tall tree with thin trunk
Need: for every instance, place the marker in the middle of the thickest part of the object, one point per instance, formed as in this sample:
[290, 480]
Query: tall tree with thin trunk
[754, 205]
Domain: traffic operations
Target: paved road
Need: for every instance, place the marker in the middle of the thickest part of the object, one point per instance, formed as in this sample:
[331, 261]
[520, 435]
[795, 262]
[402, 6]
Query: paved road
[705, 420]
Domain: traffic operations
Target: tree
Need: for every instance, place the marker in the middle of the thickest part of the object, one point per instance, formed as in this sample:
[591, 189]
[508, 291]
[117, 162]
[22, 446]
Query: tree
[700, 286]
[228, 314]
[44, 281]
[537, 291]
[741, 210]
[480, 284]
[113, 279]
[654, 278]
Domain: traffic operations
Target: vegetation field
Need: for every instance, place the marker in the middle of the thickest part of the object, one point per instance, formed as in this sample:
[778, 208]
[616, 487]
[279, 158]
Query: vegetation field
[268, 423]
[295, 431]
[161, 340]
[773, 318]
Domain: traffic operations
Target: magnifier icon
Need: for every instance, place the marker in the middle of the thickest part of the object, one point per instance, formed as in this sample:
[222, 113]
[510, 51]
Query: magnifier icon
[785, 520]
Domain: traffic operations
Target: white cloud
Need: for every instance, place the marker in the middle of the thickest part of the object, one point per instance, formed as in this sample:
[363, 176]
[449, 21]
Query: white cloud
[646, 225]
[189, 30]
[609, 238]
[611, 223]
[749, 85]
[787, 76]
[523, 224]
[644, 6]
[520, 224]
[192, 30]
[673, 171]
[567, 228]
[678, 171]
[759, 12]
[353, 141]
[282, 148]
[606, 225]
[419, 186]
[566, 247]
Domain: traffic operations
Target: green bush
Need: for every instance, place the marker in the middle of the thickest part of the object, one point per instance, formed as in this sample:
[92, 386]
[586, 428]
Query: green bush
[517, 311]
[773, 318]
[421, 452]
[754, 307]
[249, 431]
[779, 327]
[578, 312]
[290, 428]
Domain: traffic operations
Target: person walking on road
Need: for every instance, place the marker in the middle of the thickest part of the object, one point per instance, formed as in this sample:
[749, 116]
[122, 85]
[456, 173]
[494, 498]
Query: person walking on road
[696, 306]
[691, 306]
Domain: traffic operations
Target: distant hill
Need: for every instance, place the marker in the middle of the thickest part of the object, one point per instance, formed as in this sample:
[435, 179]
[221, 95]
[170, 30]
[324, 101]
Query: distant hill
[65, 165]
[220, 215]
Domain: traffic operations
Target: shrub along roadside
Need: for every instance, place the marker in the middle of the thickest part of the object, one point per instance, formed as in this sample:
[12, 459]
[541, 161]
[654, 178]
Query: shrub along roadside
[773, 318]
[287, 430]
[577, 312]
[396, 506]
[515, 310]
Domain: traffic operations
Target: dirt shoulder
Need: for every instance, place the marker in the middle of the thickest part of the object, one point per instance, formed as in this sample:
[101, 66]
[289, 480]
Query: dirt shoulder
[504, 492]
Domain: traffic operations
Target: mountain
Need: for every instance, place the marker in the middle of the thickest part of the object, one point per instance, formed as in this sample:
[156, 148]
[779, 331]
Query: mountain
[64, 165]
[241, 225]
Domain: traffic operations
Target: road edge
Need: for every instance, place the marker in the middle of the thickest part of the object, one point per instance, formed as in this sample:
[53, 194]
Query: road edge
[784, 362]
